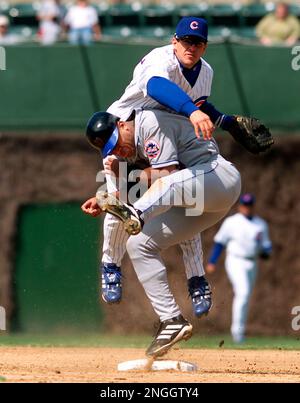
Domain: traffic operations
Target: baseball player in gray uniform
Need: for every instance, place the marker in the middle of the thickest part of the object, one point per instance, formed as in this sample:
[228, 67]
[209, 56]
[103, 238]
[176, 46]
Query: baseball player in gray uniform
[177, 78]
[175, 208]
[245, 237]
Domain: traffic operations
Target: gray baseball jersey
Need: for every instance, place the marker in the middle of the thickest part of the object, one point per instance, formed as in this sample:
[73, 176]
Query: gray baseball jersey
[165, 139]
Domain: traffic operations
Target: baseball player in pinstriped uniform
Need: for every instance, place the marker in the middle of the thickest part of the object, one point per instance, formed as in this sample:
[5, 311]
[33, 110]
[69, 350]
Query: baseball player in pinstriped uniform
[168, 213]
[246, 237]
[177, 78]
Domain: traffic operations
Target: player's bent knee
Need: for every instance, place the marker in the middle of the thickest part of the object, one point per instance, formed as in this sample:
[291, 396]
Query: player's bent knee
[233, 186]
[233, 191]
[141, 245]
[223, 188]
[135, 246]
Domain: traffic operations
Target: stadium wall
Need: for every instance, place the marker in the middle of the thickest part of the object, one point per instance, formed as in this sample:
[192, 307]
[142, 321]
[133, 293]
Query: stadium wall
[61, 86]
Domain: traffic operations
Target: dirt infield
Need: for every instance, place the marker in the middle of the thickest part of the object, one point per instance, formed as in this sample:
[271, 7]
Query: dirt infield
[57, 364]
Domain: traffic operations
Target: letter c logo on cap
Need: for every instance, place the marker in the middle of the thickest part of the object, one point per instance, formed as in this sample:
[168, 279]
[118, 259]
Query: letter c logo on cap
[194, 25]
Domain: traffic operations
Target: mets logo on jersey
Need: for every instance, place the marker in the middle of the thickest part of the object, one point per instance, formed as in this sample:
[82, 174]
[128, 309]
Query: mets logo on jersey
[151, 148]
[194, 25]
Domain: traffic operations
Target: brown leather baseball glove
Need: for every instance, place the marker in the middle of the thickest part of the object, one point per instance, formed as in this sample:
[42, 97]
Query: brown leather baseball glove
[251, 134]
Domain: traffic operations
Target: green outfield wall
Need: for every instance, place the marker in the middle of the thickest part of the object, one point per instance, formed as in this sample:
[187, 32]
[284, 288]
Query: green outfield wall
[60, 86]
[56, 270]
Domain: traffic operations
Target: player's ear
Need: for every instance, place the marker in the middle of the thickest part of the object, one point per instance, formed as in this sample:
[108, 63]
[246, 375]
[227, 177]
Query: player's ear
[174, 40]
[123, 126]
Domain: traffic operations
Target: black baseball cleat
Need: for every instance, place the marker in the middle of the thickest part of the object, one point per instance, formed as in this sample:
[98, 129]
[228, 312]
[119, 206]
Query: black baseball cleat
[130, 217]
[170, 331]
[200, 292]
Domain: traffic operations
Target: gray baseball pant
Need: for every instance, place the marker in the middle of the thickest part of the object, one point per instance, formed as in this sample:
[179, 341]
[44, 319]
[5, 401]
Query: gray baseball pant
[168, 225]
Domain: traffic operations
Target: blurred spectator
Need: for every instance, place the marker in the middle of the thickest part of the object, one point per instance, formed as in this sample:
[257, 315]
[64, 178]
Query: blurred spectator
[7, 38]
[82, 20]
[50, 16]
[279, 27]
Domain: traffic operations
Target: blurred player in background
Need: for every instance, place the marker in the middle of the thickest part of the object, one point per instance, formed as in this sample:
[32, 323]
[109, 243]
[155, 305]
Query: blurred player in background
[245, 237]
[279, 27]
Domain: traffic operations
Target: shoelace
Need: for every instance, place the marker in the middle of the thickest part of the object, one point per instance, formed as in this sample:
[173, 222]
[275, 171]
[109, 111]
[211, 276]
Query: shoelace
[200, 294]
[158, 326]
[200, 290]
[136, 213]
[112, 276]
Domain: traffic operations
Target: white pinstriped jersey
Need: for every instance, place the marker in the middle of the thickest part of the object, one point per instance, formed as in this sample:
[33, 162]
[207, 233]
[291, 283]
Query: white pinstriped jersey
[160, 62]
[243, 237]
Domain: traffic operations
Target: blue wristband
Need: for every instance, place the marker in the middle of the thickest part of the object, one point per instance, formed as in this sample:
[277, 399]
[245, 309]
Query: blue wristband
[216, 252]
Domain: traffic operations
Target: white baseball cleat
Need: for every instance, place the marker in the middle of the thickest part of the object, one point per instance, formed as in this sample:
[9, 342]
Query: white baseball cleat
[130, 217]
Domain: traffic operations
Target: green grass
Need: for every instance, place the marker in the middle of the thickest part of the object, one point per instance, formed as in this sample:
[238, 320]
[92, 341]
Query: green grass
[142, 341]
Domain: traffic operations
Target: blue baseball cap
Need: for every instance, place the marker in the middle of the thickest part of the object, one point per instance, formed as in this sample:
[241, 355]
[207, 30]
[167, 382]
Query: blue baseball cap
[247, 199]
[192, 26]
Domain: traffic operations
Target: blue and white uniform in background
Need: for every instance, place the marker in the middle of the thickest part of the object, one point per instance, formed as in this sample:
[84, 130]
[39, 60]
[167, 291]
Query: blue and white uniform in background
[245, 239]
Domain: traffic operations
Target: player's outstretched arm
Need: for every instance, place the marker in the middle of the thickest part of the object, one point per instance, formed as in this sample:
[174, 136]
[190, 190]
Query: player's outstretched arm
[91, 207]
[214, 256]
[172, 96]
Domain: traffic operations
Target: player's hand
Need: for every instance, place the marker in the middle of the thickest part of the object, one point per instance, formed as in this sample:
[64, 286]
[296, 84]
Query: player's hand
[111, 165]
[210, 268]
[202, 124]
[91, 207]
